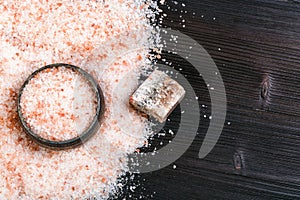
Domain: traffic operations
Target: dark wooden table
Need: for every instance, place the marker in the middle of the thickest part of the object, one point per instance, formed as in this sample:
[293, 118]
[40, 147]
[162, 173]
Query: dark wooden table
[256, 47]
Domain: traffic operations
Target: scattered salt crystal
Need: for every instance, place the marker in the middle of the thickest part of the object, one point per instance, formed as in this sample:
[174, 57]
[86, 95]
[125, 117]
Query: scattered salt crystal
[171, 132]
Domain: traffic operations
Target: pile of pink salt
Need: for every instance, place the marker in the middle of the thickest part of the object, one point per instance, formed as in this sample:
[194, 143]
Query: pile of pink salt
[110, 40]
[58, 104]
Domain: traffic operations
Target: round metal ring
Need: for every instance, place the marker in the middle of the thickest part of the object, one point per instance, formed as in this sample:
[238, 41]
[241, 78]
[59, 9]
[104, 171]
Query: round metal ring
[82, 137]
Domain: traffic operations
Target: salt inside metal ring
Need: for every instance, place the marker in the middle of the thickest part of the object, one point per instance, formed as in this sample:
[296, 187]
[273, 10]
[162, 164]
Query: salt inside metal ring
[47, 105]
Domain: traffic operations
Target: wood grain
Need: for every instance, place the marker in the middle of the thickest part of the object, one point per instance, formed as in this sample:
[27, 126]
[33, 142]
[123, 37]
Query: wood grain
[256, 46]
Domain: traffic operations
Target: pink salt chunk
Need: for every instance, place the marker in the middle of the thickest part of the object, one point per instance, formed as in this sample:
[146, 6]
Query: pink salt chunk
[157, 96]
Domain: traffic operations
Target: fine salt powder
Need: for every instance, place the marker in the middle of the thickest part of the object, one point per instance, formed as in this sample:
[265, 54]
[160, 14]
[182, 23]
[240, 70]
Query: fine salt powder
[108, 39]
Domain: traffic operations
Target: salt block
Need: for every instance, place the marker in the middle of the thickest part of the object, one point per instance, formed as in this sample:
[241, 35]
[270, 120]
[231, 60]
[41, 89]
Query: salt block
[157, 96]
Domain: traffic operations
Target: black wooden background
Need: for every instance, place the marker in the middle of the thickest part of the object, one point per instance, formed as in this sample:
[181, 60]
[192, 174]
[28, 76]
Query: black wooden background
[256, 46]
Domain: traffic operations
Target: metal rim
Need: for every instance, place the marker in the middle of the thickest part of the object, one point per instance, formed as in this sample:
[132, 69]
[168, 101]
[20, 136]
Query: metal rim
[82, 137]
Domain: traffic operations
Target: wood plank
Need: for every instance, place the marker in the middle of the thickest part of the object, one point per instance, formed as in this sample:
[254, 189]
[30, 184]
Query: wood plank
[257, 156]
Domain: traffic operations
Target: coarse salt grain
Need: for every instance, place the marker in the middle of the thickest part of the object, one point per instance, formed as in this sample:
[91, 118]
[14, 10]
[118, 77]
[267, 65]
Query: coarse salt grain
[58, 104]
[110, 41]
